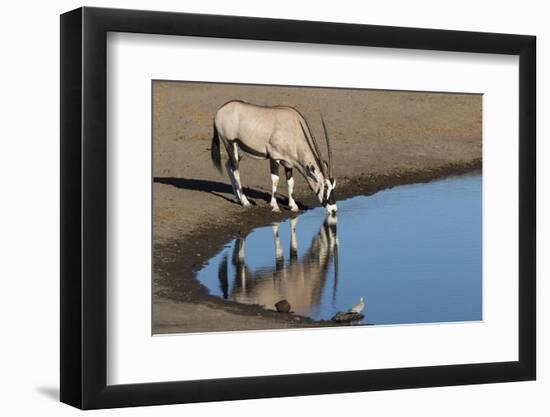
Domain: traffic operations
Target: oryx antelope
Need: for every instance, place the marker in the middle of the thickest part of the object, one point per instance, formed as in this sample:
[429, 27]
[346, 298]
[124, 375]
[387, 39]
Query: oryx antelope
[301, 281]
[280, 134]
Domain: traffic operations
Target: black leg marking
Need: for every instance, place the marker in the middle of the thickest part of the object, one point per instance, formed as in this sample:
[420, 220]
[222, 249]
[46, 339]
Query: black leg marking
[288, 173]
[274, 167]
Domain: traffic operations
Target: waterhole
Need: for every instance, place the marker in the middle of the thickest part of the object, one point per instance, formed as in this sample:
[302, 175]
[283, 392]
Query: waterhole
[414, 253]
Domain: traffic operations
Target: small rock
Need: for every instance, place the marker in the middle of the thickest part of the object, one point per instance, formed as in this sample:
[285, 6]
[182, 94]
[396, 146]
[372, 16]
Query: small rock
[347, 317]
[283, 306]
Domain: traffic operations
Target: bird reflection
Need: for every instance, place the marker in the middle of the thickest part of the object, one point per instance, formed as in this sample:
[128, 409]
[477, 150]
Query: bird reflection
[299, 280]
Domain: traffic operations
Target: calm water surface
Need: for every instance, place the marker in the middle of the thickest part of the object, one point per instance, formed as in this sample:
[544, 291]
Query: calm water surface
[413, 252]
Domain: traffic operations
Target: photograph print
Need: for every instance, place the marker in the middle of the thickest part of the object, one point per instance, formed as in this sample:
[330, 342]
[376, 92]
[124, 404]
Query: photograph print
[282, 207]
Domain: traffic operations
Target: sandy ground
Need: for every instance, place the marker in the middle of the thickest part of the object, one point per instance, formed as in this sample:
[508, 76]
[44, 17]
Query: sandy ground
[380, 139]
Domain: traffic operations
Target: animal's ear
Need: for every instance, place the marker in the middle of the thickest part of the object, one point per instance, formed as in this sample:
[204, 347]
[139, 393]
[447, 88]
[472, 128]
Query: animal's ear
[325, 163]
[311, 172]
[333, 182]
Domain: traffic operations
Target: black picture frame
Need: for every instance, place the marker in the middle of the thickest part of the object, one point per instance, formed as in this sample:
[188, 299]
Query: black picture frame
[84, 207]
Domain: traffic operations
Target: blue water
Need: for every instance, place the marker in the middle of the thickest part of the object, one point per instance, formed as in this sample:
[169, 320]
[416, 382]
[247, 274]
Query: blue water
[413, 252]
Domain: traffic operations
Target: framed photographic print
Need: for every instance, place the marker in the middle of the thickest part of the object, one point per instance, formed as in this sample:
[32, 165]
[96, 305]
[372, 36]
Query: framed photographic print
[258, 207]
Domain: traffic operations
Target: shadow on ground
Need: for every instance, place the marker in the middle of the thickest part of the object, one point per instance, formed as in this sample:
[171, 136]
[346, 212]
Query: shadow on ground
[219, 188]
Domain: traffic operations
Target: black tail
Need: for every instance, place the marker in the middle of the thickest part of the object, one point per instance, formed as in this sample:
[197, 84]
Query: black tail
[215, 150]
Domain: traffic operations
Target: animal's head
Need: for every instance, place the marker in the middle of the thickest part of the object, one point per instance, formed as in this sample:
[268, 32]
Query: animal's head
[323, 186]
[328, 199]
[323, 183]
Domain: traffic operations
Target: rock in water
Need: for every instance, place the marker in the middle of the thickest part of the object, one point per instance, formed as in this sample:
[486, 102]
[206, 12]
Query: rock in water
[347, 317]
[283, 306]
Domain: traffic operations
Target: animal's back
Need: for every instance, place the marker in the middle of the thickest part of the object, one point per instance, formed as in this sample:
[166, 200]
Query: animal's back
[234, 108]
[238, 118]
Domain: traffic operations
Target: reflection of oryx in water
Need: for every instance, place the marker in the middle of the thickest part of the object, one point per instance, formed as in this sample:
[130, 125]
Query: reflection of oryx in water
[300, 280]
[280, 134]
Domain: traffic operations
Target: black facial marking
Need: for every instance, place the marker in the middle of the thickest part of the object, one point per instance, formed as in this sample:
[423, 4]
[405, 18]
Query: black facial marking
[325, 194]
[328, 198]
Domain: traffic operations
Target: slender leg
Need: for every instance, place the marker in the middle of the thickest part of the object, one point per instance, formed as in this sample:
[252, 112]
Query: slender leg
[241, 271]
[240, 193]
[274, 167]
[290, 183]
[222, 276]
[235, 176]
[239, 262]
[279, 257]
[293, 239]
[229, 168]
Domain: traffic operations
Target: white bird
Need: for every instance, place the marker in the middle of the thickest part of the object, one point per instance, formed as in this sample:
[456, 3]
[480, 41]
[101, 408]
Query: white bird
[357, 308]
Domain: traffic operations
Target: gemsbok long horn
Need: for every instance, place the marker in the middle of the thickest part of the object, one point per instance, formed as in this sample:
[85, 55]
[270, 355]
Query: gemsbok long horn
[329, 150]
[317, 150]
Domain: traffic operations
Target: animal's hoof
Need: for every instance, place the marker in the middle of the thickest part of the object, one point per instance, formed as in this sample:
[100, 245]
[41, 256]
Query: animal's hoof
[294, 209]
[246, 204]
[275, 210]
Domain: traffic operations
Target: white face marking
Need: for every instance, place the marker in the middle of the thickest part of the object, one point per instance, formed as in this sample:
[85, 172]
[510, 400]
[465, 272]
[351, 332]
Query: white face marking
[331, 208]
[329, 187]
[332, 220]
